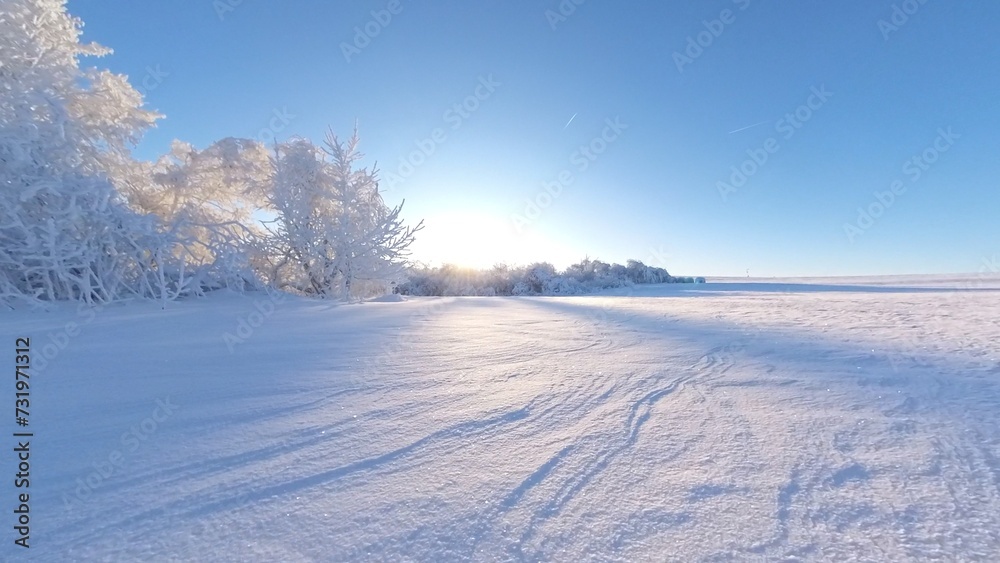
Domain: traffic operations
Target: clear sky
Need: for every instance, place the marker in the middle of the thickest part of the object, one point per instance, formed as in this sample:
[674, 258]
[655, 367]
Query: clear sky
[637, 116]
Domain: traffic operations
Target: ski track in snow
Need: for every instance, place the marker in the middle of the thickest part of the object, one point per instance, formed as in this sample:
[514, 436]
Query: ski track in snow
[726, 422]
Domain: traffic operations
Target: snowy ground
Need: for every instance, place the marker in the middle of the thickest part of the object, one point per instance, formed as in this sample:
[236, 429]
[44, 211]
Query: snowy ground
[747, 420]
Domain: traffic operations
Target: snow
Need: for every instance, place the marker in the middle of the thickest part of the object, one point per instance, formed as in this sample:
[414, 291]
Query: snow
[389, 298]
[733, 420]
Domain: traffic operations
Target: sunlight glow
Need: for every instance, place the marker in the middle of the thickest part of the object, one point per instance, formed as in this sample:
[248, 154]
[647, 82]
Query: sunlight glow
[480, 241]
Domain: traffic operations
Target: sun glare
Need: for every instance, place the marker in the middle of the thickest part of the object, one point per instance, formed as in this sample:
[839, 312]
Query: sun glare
[479, 241]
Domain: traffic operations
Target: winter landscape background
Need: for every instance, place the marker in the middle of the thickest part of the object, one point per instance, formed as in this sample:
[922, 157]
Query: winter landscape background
[505, 313]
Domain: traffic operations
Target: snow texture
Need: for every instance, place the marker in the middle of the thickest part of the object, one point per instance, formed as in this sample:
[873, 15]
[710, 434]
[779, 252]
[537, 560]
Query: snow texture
[851, 419]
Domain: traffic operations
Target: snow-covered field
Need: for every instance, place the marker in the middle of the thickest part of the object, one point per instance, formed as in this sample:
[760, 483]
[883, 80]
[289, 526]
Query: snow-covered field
[741, 420]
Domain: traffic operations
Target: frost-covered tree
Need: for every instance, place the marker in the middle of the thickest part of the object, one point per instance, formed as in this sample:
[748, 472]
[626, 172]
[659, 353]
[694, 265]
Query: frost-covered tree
[220, 185]
[641, 273]
[370, 241]
[583, 271]
[209, 198]
[66, 231]
[300, 196]
[334, 235]
[537, 279]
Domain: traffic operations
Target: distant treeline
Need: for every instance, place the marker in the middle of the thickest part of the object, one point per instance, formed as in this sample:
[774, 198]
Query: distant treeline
[540, 278]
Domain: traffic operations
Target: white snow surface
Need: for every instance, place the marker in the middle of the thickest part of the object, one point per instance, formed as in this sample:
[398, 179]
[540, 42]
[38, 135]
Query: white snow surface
[741, 420]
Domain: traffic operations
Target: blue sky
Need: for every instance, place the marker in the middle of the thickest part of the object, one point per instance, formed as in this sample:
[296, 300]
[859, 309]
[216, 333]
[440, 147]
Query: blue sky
[897, 81]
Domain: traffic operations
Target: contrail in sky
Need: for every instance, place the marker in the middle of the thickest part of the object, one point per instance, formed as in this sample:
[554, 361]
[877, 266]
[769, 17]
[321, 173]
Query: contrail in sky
[748, 127]
[571, 120]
